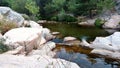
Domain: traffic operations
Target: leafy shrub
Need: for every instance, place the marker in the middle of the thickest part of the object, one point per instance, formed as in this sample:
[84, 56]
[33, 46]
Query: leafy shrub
[3, 47]
[26, 17]
[6, 25]
[99, 22]
[64, 18]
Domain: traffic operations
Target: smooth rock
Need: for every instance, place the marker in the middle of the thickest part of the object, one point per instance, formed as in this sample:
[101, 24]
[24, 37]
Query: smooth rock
[46, 34]
[69, 38]
[1, 35]
[45, 49]
[111, 42]
[36, 61]
[12, 15]
[106, 53]
[113, 22]
[55, 33]
[31, 24]
[1, 17]
[41, 21]
[28, 37]
[106, 46]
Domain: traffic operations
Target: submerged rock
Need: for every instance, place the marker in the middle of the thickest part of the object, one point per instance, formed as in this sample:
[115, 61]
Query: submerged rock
[11, 15]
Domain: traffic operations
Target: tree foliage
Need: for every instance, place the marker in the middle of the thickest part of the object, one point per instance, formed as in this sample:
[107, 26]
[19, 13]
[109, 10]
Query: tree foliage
[50, 9]
[32, 7]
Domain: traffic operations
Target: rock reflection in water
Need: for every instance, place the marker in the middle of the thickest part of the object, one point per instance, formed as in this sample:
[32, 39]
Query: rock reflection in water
[83, 57]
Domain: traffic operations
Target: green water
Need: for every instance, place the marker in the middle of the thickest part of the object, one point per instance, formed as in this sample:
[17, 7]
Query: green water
[75, 30]
[77, 54]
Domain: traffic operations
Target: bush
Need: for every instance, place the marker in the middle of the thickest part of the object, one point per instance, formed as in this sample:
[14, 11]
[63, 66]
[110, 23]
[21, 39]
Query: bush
[6, 25]
[99, 22]
[26, 17]
[3, 47]
[64, 18]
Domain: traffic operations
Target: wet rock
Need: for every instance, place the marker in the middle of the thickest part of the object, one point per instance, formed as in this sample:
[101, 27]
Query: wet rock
[11, 15]
[35, 61]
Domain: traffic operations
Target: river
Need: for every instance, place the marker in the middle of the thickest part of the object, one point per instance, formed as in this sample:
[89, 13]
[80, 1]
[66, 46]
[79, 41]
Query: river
[78, 54]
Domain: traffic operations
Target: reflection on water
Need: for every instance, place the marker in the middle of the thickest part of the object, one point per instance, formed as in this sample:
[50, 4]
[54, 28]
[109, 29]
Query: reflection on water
[83, 58]
[75, 30]
[77, 54]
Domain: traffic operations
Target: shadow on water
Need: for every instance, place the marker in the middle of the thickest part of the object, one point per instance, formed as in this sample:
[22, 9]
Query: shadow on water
[75, 30]
[78, 54]
[83, 58]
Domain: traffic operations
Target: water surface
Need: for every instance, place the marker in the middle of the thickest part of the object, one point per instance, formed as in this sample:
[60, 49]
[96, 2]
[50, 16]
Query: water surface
[78, 54]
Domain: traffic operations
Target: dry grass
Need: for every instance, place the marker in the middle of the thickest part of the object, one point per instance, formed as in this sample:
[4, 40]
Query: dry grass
[6, 25]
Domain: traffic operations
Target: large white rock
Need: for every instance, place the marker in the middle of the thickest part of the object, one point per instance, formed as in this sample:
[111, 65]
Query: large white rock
[113, 22]
[28, 37]
[45, 49]
[107, 46]
[46, 34]
[36, 61]
[12, 15]
[111, 42]
[31, 24]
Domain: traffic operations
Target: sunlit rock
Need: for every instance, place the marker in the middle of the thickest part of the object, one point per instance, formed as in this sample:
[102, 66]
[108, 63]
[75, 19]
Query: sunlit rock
[69, 39]
[107, 46]
[45, 49]
[113, 22]
[31, 24]
[28, 37]
[11, 15]
[36, 61]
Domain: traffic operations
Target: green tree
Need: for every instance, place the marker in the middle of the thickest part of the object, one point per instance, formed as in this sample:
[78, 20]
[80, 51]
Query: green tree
[103, 5]
[17, 5]
[33, 8]
[72, 6]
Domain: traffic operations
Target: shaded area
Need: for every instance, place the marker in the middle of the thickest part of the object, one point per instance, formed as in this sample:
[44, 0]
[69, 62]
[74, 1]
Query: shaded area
[73, 29]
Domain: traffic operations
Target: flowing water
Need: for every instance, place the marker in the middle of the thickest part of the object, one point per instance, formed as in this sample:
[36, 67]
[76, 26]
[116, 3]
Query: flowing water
[77, 54]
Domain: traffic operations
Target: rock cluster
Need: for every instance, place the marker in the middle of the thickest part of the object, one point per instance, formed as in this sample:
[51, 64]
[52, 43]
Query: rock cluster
[107, 46]
[29, 45]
